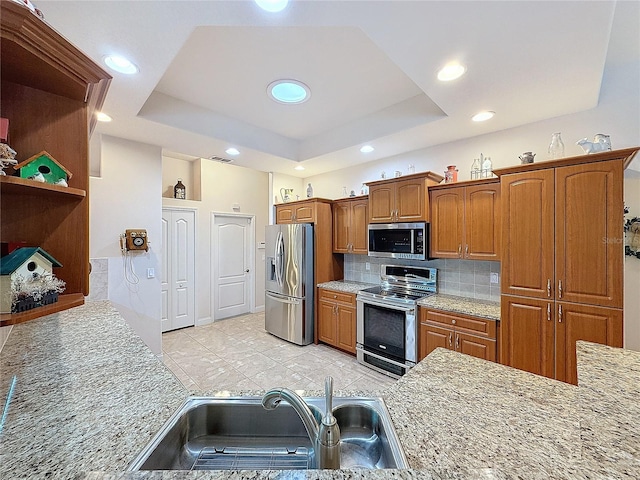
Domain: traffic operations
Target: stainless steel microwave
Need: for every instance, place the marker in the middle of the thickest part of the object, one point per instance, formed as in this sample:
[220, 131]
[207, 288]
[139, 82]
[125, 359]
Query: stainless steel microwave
[399, 240]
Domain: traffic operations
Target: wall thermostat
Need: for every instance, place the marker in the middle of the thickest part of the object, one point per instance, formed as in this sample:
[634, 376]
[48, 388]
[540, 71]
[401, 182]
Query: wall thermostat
[136, 239]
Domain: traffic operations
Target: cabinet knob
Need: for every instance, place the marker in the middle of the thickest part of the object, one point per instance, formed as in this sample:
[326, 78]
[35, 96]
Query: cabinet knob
[453, 321]
[335, 296]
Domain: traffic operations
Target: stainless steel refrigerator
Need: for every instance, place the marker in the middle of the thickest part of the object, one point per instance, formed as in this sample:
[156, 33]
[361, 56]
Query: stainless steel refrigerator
[289, 288]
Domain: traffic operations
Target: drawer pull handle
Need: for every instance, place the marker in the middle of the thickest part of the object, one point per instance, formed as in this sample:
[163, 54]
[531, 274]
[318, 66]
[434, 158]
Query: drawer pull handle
[450, 339]
[548, 311]
[559, 313]
[548, 288]
[457, 342]
[559, 288]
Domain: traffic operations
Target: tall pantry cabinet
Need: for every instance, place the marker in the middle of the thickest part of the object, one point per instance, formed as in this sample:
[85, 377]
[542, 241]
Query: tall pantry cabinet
[562, 260]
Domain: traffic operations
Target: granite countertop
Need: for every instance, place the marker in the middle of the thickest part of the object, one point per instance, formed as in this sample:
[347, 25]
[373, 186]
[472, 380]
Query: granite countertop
[469, 306]
[347, 286]
[89, 396]
[448, 303]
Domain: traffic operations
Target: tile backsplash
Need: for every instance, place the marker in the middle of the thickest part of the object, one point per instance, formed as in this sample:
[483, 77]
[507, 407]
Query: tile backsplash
[466, 278]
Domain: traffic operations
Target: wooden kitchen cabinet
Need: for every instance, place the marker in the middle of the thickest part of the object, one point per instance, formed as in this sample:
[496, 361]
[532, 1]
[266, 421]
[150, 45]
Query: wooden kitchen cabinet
[302, 211]
[50, 93]
[402, 199]
[540, 336]
[337, 319]
[562, 263]
[466, 334]
[465, 220]
[350, 217]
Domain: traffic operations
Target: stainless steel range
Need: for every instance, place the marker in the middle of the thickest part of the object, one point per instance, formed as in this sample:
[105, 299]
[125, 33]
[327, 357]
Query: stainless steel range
[387, 325]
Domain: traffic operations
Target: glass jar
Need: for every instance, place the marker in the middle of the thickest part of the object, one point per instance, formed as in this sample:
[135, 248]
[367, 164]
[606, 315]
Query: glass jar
[556, 147]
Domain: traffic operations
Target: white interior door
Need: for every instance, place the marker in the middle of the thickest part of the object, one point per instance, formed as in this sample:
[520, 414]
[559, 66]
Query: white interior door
[232, 240]
[178, 273]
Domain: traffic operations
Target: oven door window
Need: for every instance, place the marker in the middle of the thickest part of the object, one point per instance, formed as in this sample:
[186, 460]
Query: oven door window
[384, 331]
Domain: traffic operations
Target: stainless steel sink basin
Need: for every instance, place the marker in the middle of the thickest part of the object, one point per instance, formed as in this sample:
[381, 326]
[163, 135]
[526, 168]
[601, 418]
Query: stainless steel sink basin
[208, 433]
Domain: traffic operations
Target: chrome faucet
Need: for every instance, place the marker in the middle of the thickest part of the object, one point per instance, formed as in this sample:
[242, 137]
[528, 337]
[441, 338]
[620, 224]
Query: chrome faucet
[324, 436]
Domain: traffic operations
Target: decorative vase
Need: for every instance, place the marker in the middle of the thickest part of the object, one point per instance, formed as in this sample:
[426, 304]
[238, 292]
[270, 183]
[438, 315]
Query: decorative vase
[309, 191]
[179, 190]
[527, 157]
[556, 147]
[451, 174]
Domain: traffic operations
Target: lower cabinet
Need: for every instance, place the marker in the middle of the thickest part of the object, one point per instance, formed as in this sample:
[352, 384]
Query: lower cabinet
[336, 321]
[463, 333]
[540, 336]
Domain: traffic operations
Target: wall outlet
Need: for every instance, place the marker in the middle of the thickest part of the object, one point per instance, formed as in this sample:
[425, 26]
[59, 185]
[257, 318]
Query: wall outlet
[151, 273]
[367, 266]
[495, 278]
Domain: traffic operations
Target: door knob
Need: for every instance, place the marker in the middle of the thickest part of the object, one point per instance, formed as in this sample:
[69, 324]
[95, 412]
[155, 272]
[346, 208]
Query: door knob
[246, 271]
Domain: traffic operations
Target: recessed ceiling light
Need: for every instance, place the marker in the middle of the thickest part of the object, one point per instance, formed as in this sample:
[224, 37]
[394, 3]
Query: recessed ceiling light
[103, 117]
[450, 72]
[232, 151]
[120, 64]
[482, 116]
[299, 168]
[288, 91]
[367, 149]
[272, 6]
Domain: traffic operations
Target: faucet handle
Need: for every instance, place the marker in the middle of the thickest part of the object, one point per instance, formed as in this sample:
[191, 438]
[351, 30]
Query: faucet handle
[328, 395]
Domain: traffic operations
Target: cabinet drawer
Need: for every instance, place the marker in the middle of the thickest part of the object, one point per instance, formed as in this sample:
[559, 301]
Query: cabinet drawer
[339, 297]
[462, 323]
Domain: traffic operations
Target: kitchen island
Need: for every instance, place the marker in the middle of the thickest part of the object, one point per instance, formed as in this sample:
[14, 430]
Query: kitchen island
[89, 395]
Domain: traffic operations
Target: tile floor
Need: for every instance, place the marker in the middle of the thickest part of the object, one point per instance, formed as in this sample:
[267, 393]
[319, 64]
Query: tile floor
[237, 354]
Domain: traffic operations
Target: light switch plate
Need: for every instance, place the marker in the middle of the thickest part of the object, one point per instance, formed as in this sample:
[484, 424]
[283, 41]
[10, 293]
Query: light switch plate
[151, 273]
[495, 278]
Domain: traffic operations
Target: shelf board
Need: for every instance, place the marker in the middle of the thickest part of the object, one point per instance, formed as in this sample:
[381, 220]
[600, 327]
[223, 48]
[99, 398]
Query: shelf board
[64, 302]
[24, 186]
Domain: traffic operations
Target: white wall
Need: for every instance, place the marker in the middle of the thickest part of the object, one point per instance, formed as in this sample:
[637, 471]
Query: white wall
[281, 180]
[128, 195]
[222, 186]
[632, 269]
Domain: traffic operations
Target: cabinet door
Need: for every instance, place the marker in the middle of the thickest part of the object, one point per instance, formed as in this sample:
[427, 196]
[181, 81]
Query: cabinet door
[382, 203]
[341, 225]
[589, 216]
[583, 322]
[527, 334]
[411, 201]
[528, 233]
[327, 322]
[284, 214]
[359, 235]
[346, 329]
[482, 222]
[305, 213]
[476, 346]
[447, 219]
[432, 337]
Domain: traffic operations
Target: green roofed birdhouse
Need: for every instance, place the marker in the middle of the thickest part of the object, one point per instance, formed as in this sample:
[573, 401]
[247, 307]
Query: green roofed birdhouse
[44, 168]
[27, 280]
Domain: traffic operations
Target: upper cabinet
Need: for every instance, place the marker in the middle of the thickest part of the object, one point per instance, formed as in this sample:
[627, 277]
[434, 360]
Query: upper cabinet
[402, 199]
[350, 218]
[50, 92]
[302, 211]
[562, 233]
[465, 220]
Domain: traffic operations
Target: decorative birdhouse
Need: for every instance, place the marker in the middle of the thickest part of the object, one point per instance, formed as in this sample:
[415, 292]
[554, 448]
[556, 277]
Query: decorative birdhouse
[27, 281]
[44, 165]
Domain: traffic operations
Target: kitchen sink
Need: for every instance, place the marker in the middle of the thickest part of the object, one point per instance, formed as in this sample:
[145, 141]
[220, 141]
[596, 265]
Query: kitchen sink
[209, 433]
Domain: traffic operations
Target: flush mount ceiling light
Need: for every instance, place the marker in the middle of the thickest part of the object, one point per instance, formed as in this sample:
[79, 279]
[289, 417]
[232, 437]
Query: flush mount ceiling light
[272, 6]
[288, 91]
[232, 151]
[299, 168]
[451, 71]
[483, 116]
[103, 117]
[120, 64]
[367, 149]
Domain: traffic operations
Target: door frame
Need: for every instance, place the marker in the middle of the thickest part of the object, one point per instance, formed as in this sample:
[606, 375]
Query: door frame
[252, 259]
[195, 256]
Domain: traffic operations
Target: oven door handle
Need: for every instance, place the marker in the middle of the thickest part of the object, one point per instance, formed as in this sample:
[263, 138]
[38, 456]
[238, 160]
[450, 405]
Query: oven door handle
[377, 303]
[380, 357]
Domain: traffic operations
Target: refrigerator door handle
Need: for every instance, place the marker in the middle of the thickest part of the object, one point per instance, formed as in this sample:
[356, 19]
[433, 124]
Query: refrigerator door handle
[283, 299]
[278, 258]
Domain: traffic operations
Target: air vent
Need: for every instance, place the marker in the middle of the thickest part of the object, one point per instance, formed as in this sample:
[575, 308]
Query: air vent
[220, 159]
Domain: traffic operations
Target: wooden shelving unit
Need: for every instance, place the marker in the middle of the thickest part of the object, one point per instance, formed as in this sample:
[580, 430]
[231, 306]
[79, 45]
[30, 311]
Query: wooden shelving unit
[50, 93]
